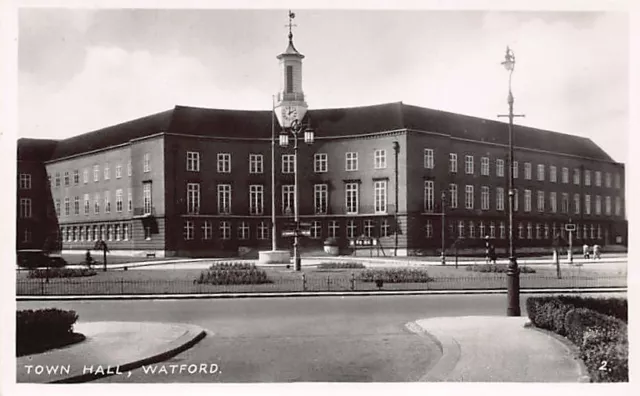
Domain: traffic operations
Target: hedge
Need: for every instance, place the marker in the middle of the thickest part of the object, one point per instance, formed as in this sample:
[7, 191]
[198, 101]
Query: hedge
[601, 338]
[61, 273]
[396, 275]
[341, 265]
[43, 329]
[233, 274]
[500, 268]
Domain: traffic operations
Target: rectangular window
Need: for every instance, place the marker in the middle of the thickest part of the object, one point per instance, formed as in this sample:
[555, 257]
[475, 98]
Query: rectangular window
[540, 201]
[129, 168]
[96, 173]
[351, 159]
[225, 230]
[351, 198]
[500, 167]
[66, 178]
[224, 163]
[380, 196]
[527, 170]
[107, 202]
[256, 163]
[607, 205]
[598, 178]
[129, 201]
[334, 228]
[618, 206]
[224, 198]
[352, 229]
[618, 181]
[380, 159]
[188, 230]
[503, 233]
[107, 174]
[119, 200]
[453, 162]
[472, 230]
[553, 204]
[207, 230]
[484, 198]
[492, 230]
[289, 81]
[499, 198]
[320, 198]
[57, 179]
[193, 161]
[540, 172]
[193, 198]
[67, 206]
[553, 174]
[428, 229]
[565, 175]
[288, 199]
[87, 205]
[146, 164]
[527, 200]
[576, 176]
[468, 197]
[118, 170]
[25, 181]
[288, 163]
[598, 208]
[453, 195]
[607, 180]
[316, 230]
[565, 203]
[256, 199]
[25, 208]
[515, 200]
[429, 162]
[76, 205]
[587, 203]
[484, 166]
[263, 231]
[460, 229]
[514, 168]
[576, 203]
[243, 230]
[76, 176]
[468, 164]
[146, 196]
[385, 228]
[320, 162]
[429, 195]
[96, 203]
[368, 228]
[587, 177]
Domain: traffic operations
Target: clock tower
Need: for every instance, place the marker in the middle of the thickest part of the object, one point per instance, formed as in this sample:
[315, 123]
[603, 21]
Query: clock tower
[290, 104]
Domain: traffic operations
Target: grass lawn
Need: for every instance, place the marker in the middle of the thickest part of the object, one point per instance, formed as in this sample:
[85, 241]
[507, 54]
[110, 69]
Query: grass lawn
[170, 281]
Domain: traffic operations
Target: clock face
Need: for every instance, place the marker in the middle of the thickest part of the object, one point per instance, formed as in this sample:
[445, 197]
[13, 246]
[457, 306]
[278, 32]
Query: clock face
[290, 113]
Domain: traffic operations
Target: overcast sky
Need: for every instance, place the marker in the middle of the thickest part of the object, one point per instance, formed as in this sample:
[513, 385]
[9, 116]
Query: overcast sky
[82, 70]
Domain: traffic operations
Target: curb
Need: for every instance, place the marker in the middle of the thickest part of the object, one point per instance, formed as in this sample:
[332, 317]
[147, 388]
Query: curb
[194, 335]
[571, 348]
[438, 371]
[313, 294]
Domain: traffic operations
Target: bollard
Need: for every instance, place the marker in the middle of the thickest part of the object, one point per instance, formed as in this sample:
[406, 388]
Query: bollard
[353, 281]
[304, 282]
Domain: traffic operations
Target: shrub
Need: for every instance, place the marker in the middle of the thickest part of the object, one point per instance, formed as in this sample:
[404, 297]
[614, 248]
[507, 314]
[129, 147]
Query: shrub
[88, 259]
[342, 265]
[35, 330]
[233, 274]
[500, 268]
[548, 313]
[616, 307]
[61, 273]
[396, 275]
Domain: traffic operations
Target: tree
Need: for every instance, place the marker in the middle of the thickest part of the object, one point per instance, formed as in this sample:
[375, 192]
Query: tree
[102, 245]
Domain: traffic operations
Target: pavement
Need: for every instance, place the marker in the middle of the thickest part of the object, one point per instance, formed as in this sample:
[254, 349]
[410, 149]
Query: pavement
[498, 349]
[110, 348]
[474, 349]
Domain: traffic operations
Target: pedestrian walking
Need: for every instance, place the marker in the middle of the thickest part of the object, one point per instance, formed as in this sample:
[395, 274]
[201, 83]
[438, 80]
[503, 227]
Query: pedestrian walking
[596, 251]
[585, 251]
[493, 257]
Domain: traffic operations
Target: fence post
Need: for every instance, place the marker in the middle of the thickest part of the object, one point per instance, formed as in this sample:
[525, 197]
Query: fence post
[328, 283]
[304, 282]
[353, 281]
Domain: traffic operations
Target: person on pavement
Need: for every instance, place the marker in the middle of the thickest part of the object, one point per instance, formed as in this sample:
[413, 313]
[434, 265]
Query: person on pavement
[585, 251]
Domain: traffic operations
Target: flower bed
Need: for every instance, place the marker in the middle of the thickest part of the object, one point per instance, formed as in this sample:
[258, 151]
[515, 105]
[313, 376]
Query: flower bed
[396, 275]
[233, 274]
[44, 329]
[499, 268]
[341, 265]
[61, 273]
[602, 339]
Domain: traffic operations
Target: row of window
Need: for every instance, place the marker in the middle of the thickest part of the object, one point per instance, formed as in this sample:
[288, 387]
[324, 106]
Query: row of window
[102, 202]
[92, 233]
[320, 198]
[485, 198]
[67, 178]
[471, 229]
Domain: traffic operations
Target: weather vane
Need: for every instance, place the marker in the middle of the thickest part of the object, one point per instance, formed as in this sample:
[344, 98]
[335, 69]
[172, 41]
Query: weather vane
[291, 24]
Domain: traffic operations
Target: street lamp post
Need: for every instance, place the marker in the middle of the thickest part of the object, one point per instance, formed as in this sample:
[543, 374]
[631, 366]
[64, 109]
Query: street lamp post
[443, 198]
[513, 273]
[296, 128]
